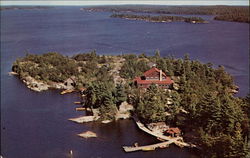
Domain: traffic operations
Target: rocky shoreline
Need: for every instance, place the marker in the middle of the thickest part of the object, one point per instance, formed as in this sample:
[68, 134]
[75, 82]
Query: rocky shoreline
[122, 113]
[39, 86]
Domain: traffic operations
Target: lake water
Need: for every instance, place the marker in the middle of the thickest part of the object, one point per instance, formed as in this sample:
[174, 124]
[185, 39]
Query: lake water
[35, 125]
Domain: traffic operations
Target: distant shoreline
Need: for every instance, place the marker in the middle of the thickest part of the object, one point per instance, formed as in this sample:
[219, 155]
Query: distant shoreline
[161, 18]
[221, 12]
[24, 8]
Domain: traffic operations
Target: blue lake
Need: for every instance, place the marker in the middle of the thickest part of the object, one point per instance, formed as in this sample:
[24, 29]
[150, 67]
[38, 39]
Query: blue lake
[35, 124]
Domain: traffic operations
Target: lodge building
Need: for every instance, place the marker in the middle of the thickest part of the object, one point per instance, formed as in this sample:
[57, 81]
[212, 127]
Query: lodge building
[153, 76]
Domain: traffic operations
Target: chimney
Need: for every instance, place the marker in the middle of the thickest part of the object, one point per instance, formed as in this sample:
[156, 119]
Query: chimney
[160, 75]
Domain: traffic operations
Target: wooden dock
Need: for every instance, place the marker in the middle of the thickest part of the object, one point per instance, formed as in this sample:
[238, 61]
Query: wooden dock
[168, 140]
[77, 102]
[149, 147]
[177, 140]
[82, 109]
[158, 135]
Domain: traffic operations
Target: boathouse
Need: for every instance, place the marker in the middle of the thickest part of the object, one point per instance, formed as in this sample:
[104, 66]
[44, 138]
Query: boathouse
[153, 76]
[173, 132]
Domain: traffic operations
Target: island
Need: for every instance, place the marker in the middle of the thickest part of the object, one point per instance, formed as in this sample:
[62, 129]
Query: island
[220, 12]
[180, 101]
[161, 18]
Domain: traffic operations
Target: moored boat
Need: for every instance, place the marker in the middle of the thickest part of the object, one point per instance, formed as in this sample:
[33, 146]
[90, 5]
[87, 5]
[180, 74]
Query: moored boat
[148, 149]
[67, 91]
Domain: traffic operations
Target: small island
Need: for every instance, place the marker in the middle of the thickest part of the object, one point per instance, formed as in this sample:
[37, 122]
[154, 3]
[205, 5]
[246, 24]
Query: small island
[161, 18]
[179, 101]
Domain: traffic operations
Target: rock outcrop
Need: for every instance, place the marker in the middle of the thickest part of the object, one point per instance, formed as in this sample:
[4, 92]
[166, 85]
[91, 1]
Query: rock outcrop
[87, 134]
[37, 85]
[124, 111]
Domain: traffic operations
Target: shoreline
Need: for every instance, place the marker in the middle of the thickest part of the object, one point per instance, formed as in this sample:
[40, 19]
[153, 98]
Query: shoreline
[167, 19]
[40, 86]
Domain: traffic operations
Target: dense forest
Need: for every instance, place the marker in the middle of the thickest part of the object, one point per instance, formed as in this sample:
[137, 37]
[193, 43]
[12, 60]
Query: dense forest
[203, 105]
[160, 18]
[54, 67]
[202, 102]
[226, 13]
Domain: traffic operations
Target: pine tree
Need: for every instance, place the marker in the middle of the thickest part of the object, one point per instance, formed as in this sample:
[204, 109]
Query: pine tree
[151, 108]
[120, 94]
[157, 54]
[108, 108]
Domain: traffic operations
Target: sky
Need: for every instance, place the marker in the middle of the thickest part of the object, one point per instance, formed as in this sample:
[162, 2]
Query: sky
[118, 2]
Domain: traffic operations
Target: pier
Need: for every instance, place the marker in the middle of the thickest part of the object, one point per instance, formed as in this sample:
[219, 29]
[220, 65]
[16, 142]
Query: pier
[145, 129]
[149, 147]
[167, 140]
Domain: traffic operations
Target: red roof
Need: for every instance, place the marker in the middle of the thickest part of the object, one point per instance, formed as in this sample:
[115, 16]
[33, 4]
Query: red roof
[140, 81]
[82, 89]
[166, 81]
[152, 70]
[173, 130]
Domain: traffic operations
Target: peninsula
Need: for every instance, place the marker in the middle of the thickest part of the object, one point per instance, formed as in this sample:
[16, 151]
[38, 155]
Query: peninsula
[180, 101]
[161, 18]
[225, 13]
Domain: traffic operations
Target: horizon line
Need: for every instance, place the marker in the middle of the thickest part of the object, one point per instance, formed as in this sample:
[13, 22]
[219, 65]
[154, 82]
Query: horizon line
[124, 2]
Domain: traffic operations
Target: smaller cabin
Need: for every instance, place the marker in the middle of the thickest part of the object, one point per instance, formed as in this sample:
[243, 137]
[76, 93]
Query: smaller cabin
[70, 82]
[173, 132]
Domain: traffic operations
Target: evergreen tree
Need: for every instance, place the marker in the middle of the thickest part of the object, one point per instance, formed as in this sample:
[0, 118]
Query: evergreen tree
[108, 108]
[150, 108]
[157, 54]
[120, 94]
